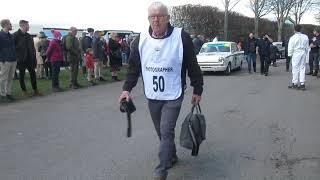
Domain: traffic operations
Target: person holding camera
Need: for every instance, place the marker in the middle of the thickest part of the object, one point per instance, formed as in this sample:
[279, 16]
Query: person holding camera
[264, 45]
[163, 55]
[314, 53]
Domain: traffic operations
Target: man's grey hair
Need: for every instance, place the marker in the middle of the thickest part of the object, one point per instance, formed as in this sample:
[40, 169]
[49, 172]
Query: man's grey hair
[159, 5]
[72, 28]
[4, 22]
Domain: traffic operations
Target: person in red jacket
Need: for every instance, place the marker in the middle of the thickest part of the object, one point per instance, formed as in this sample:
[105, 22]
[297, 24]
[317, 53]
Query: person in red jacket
[90, 66]
[55, 56]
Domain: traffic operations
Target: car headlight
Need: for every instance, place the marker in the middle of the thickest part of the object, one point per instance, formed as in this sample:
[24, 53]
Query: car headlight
[221, 59]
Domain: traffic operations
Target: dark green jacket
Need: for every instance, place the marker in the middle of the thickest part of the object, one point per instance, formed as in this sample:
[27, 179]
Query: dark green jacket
[73, 49]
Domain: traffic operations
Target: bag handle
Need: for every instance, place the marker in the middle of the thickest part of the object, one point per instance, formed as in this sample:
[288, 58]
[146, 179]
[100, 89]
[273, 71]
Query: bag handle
[197, 107]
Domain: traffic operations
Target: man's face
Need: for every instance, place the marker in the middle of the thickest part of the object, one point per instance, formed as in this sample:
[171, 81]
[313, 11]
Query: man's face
[315, 33]
[25, 27]
[158, 20]
[97, 35]
[8, 26]
[74, 32]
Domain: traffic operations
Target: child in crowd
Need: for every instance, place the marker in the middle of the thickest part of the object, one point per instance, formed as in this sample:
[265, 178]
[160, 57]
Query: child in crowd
[90, 66]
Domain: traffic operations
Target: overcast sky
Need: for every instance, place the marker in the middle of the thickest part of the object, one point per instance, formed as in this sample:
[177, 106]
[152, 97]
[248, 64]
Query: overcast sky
[100, 14]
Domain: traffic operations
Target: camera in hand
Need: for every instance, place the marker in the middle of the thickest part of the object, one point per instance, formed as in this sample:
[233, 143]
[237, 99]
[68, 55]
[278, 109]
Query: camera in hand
[127, 106]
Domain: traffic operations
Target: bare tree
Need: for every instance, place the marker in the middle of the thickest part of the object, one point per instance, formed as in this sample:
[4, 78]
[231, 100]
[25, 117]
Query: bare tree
[282, 9]
[228, 6]
[197, 19]
[301, 7]
[260, 8]
[317, 16]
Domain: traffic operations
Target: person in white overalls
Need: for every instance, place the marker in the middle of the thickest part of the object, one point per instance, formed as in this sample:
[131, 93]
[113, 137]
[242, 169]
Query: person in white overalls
[298, 49]
[163, 55]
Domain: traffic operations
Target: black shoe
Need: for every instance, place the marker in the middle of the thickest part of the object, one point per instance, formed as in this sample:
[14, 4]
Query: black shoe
[74, 86]
[302, 87]
[115, 78]
[173, 162]
[159, 178]
[10, 98]
[101, 79]
[293, 86]
[265, 74]
[310, 73]
[3, 99]
[57, 89]
[314, 74]
[92, 83]
[78, 85]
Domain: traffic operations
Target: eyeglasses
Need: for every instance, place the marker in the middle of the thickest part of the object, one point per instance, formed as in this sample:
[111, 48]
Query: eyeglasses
[160, 17]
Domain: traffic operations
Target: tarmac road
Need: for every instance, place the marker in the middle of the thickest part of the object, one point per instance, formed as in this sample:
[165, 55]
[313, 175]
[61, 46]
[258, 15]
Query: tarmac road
[257, 128]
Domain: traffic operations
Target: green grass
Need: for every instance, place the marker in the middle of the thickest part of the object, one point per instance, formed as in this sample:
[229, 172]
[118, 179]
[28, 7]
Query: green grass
[44, 86]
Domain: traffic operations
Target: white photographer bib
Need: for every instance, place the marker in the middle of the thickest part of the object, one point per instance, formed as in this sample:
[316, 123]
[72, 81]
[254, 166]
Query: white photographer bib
[161, 64]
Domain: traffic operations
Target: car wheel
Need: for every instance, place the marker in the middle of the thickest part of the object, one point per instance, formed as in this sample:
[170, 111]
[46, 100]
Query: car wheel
[228, 70]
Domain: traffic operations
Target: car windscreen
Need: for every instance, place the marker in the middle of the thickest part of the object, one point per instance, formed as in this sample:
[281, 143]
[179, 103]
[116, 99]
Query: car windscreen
[222, 47]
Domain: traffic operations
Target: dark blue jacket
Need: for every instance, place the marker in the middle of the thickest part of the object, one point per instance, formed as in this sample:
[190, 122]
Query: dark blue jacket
[86, 43]
[250, 46]
[7, 48]
[98, 50]
[264, 47]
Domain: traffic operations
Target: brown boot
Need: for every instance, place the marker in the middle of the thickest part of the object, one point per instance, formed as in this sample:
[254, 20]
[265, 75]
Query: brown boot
[25, 94]
[159, 178]
[37, 93]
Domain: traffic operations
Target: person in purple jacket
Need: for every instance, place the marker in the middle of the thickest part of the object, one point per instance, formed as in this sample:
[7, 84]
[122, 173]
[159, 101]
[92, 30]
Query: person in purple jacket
[55, 56]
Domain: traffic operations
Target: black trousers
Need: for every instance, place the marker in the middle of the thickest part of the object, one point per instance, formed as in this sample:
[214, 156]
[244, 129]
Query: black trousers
[55, 73]
[32, 72]
[314, 58]
[288, 59]
[47, 67]
[265, 63]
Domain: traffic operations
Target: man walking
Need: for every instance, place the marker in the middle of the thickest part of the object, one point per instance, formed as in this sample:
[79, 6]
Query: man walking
[26, 54]
[163, 55]
[197, 43]
[250, 50]
[314, 53]
[73, 56]
[264, 53]
[298, 49]
[8, 60]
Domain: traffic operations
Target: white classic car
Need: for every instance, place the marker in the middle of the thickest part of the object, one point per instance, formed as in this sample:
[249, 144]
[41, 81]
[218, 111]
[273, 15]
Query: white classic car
[220, 56]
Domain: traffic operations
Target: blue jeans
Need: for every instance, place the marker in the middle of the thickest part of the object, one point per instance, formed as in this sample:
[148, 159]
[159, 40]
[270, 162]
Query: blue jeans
[251, 58]
[124, 58]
